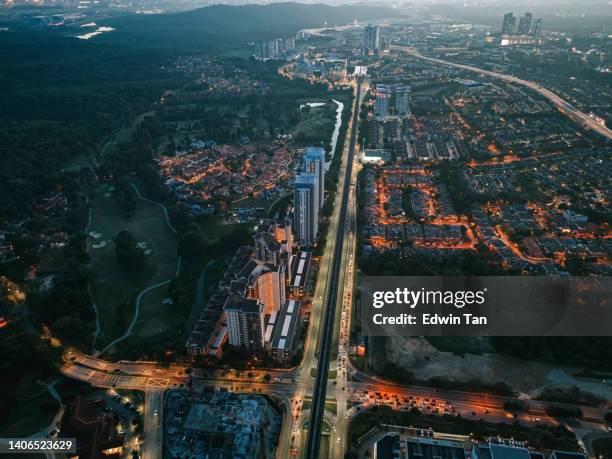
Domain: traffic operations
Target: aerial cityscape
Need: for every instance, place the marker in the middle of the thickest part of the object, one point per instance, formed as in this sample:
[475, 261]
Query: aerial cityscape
[195, 193]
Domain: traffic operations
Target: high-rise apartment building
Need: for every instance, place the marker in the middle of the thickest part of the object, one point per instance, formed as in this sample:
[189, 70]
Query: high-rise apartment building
[306, 209]
[383, 94]
[371, 39]
[525, 24]
[314, 163]
[508, 24]
[537, 28]
[402, 100]
[245, 323]
[273, 49]
[270, 286]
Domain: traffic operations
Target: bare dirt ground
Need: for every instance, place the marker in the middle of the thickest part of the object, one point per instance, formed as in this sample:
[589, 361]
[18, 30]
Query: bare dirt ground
[418, 356]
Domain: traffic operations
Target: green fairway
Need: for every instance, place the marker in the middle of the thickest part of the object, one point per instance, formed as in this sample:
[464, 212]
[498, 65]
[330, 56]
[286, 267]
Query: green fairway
[114, 287]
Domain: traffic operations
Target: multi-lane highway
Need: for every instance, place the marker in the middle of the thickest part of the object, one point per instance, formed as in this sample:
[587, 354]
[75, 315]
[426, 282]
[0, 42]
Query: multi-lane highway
[325, 345]
[565, 107]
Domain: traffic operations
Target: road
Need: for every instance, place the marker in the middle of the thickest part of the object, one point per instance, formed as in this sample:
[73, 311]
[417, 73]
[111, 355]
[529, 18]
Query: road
[325, 346]
[153, 422]
[565, 107]
[153, 379]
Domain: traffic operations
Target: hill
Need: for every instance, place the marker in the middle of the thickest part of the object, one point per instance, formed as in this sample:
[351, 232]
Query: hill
[223, 26]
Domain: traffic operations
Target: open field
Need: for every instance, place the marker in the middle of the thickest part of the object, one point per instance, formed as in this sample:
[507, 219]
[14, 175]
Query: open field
[315, 125]
[112, 286]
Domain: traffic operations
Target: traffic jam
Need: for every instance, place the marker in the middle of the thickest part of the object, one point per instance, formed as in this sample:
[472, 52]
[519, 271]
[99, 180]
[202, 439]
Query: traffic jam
[365, 399]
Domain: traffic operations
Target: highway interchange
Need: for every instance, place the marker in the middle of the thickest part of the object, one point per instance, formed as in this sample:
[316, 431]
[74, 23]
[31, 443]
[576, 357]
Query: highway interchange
[329, 327]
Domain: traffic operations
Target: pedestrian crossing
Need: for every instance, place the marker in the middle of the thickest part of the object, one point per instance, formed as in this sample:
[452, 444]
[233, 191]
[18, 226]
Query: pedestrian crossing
[143, 381]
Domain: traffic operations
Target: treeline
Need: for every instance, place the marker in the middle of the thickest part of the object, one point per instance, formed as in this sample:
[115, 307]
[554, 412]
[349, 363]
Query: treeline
[585, 351]
[464, 262]
[61, 98]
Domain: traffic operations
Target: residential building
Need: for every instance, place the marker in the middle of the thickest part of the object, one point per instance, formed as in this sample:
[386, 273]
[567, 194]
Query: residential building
[306, 209]
[402, 100]
[525, 24]
[371, 39]
[245, 322]
[274, 49]
[508, 24]
[314, 163]
[537, 28]
[270, 288]
[274, 244]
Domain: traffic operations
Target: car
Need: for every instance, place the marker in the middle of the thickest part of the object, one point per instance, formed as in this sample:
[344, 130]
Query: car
[155, 413]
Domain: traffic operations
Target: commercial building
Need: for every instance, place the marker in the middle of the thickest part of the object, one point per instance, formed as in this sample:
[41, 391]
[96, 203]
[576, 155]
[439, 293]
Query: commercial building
[306, 209]
[375, 156]
[245, 323]
[395, 442]
[314, 164]
[300, 270]
[371, 39]
[281, 332]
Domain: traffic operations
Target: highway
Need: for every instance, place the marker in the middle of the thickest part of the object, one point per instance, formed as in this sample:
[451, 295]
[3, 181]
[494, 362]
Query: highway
[325, 345]
[565, 107]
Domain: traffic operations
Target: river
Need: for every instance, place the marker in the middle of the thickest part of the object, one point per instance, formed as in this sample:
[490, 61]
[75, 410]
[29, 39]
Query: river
[336, 133]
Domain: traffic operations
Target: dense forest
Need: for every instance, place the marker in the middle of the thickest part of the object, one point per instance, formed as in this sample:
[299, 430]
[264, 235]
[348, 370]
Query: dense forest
[61, 98]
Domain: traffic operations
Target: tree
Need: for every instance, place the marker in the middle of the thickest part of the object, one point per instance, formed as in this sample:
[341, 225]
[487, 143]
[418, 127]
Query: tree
[129, 255]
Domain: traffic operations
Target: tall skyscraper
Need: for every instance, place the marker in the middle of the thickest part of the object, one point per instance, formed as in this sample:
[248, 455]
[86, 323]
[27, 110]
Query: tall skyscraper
[314, 163]
[537, 27]
[306, 208]
[525, 24]
[371, 39]
[508, 24]
[245, 323]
